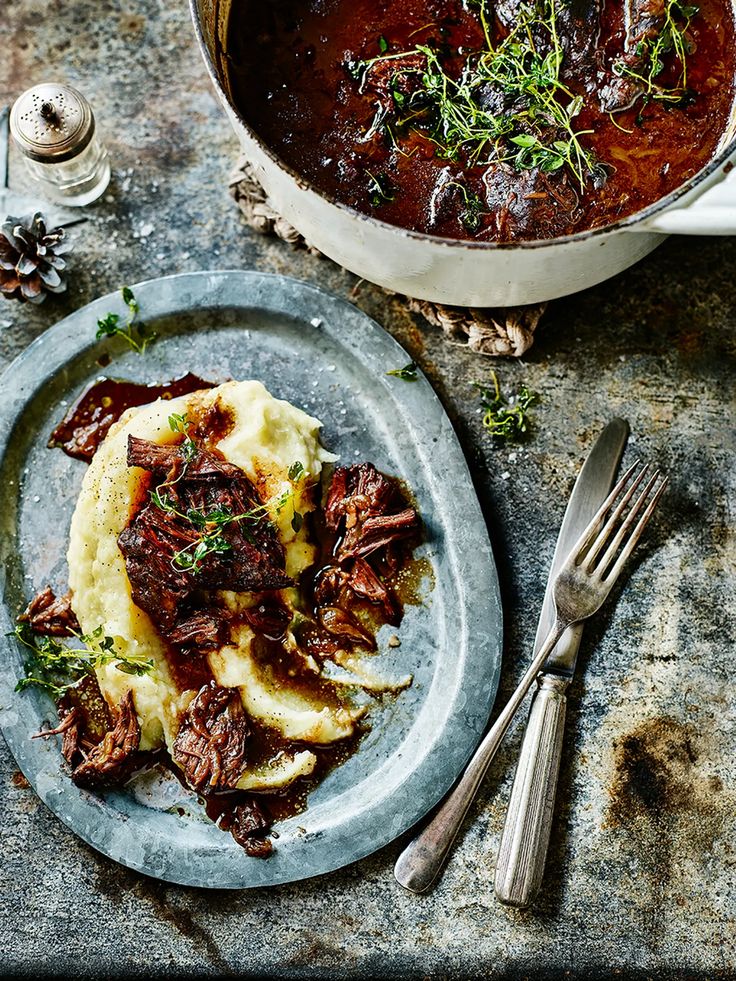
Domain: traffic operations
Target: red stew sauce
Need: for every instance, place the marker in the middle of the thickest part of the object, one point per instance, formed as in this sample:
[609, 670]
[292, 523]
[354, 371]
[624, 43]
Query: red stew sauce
[298, 77]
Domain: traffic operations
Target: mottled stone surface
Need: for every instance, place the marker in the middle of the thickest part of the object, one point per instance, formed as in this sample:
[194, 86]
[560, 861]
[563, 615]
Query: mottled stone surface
[642, 871]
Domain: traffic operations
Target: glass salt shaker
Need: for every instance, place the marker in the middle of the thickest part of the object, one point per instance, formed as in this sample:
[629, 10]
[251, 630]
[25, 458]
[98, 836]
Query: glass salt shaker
[53, 126]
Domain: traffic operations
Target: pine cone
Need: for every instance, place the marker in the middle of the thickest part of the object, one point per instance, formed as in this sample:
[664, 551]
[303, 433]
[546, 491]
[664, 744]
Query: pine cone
[30, 259]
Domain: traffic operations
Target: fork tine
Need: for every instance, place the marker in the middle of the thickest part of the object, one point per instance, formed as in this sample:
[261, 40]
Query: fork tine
[637, 532]
[613, 520]
[634, 511]
[579, 550]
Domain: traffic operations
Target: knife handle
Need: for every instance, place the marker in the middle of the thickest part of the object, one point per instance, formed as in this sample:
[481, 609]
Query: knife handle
[523, 850]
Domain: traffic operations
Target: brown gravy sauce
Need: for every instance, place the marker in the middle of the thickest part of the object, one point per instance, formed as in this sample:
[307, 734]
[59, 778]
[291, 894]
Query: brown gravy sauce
[88, 421]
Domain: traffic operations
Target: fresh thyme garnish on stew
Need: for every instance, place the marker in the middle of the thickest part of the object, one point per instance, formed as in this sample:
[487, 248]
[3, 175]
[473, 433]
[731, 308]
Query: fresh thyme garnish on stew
[407, 373]
[55, 667]
[506, 420]
[380, 190]
[535, 126]
[135, 334]
[648, 64]
[211, 524]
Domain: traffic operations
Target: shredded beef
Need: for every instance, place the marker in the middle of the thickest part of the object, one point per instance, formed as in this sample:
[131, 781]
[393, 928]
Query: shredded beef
[50, 615]
[368, 508]
[205, 630]
[254, 561]
[365, 583]
[340, 623]
[380, 531]
[69, 730]
[115, 757]
[212, 739]
[249, 826]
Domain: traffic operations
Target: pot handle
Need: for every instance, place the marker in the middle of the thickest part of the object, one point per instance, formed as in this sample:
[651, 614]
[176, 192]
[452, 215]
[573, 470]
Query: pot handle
[712, 213]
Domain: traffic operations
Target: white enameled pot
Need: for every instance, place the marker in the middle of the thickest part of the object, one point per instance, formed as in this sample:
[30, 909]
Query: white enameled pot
[482, 274]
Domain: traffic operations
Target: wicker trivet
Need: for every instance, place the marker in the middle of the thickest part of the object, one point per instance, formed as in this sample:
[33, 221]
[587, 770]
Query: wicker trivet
[495, 332]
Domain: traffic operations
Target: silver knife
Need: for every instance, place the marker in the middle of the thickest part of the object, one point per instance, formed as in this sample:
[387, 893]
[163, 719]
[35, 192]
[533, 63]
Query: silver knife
[523, 850]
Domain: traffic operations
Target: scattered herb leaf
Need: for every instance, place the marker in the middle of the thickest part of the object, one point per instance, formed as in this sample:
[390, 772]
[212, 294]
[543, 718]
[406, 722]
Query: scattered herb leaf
[505, 419]
[407, 373]
[382, 45]
[136, 335]
[296, 470]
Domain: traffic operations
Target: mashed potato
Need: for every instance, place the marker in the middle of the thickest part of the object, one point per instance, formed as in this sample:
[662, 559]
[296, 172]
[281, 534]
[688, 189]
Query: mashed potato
[267, 437]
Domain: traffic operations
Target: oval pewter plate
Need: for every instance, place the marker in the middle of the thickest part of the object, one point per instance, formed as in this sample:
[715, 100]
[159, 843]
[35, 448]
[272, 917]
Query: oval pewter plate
[327, 357]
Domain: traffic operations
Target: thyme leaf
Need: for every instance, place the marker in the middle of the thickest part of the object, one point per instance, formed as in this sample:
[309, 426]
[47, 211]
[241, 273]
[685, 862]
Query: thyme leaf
[407, 373]
[210, 526]
[55, 667]
[180, 424]
[504, 419]
[137, 335]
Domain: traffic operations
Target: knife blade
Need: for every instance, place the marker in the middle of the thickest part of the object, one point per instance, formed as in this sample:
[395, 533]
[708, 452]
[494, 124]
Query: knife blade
[525, 839]
[592, 487]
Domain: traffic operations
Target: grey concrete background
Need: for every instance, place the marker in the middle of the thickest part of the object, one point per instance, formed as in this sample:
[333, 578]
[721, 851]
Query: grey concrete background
[642, 868]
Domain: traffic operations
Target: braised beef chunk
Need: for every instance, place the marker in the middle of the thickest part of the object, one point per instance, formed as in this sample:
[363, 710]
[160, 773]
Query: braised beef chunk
[205, 630]
[268, 618]
[249, 826]
[212, 739]
[358, 491]
[50, 615]
[643, 20]
[396, 80]
[370, 517]
[152, 456]
[112, 760]
[329, 584]
[251, 558]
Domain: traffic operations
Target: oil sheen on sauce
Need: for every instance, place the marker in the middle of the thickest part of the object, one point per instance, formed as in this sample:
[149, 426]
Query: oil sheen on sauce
[287, 72]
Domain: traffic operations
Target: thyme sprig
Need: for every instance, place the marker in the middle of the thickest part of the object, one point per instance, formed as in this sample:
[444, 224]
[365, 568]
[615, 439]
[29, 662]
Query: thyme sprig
[536, 127]
[55, 667]
[504, 419]
[211, 524]
[180, 424]
[672, 38]
[137, 335]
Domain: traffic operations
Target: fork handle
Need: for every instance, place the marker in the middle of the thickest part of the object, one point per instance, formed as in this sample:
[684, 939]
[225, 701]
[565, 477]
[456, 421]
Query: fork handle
[421, 861]
[523, 851]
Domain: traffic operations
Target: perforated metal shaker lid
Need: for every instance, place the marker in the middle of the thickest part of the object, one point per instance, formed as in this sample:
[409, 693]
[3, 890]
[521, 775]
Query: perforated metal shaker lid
[52, 122]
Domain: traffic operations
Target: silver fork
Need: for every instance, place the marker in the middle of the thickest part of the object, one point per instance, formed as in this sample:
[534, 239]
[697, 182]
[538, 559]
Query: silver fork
[581, 587]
